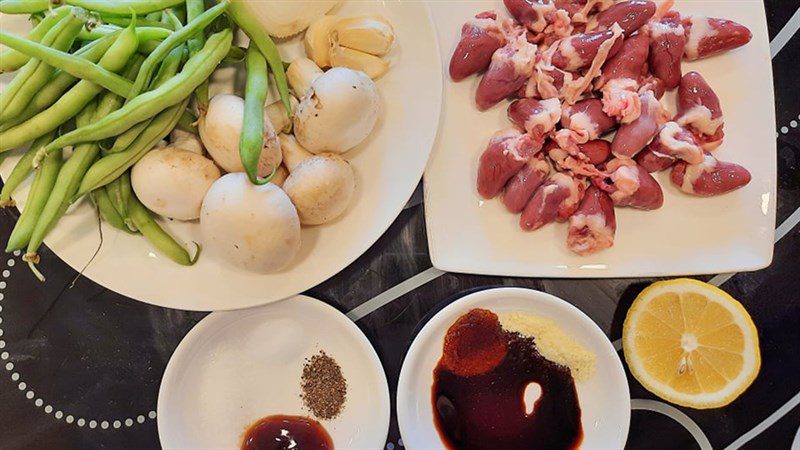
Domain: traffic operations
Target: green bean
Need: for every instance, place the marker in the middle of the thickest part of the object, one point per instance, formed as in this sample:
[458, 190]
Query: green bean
[194, 8]
[125, 7]
[22, 170]
[179, 11]
[148, 47]
[76, 66]
[251, 139]
[24, 6]
[107, 211]
[73, 101]
[169, 67]
[11, 59]
[37, 197]
[170, 17]
[175, 39]
[156, 235]
[249, 24]
[36, 73]
[60, 82]
[188, 122]
[236, 55]
[124, 140]
[119, 7]
[142, 32]
[114, 189]
[110, 167]
[71, 174]
[126, 22]
[146, 105]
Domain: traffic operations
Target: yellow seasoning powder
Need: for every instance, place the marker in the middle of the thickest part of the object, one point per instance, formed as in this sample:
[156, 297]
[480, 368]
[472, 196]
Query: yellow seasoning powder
[552, 342]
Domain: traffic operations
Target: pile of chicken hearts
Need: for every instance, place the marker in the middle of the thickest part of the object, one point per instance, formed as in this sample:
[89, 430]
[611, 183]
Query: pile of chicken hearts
[579, 70]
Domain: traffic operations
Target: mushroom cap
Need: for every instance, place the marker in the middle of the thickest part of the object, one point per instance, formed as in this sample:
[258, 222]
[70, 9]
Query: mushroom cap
[321, 188]
[220, 129]
[338, 112]
[252, 227]
[172, 182]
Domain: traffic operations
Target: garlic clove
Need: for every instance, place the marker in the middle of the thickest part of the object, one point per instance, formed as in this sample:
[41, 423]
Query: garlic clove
[301, 73]
[316, 41]
[368, 34]
[372, 65]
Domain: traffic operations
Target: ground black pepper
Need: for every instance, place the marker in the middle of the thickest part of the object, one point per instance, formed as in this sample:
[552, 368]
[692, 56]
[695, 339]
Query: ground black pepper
[324, 387]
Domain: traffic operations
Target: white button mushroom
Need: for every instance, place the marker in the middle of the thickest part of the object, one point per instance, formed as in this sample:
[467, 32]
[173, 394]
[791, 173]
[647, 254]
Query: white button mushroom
[220, 128]
[320, 186]
[172, 182]
[253, 227]
[338, 112]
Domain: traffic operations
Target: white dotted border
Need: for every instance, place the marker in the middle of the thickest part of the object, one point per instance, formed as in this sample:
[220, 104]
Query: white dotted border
[785, 129]
[38, 402]
[392, 446]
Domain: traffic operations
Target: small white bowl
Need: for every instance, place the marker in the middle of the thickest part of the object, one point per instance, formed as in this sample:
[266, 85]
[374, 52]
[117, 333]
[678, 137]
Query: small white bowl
[604, 397]
[233, 368]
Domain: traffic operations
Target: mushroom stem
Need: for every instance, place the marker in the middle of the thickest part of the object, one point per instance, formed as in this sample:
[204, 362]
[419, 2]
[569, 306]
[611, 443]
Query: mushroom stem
[280, 174]
[277, 115]
[293, 152]
[301, 73]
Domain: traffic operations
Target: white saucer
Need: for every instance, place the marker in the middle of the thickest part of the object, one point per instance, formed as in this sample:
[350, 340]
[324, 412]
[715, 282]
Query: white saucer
[604, 398]
[234, 368]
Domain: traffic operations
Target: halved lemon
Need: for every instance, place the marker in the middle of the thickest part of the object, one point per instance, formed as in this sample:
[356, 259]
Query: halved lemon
[691, 343]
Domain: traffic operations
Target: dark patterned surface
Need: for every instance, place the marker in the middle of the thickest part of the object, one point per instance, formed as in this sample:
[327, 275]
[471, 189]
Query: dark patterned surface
[95, 355]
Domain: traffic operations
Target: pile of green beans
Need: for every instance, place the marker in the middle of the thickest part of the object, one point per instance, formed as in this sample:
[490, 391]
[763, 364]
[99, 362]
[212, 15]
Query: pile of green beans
[111, 79]
[69, 63]
[148, 104]
[175, 39]
[35, 73]
[74, 100]
[21, 171]
[11, 60]
[60, 82]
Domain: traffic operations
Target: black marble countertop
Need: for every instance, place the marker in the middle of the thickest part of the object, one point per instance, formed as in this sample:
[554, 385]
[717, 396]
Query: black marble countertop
[80, 366]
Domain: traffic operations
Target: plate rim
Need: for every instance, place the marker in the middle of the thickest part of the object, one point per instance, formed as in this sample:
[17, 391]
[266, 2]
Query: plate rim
[403, 384]
[207, 324]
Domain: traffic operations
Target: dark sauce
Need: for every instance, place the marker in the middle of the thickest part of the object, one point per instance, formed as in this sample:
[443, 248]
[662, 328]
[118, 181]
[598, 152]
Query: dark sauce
[479, 387]
[287, 433]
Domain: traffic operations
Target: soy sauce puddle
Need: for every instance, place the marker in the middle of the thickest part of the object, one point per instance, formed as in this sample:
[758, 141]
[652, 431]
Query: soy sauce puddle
[281, 432]
[479, 387]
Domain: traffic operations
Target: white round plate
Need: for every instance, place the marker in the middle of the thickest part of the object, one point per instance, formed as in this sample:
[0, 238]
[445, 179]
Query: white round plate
[604, 398]
[234, 368]
[388, 167]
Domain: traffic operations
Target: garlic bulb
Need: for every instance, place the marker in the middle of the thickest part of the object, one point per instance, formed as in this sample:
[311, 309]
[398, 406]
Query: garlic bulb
[284, 18]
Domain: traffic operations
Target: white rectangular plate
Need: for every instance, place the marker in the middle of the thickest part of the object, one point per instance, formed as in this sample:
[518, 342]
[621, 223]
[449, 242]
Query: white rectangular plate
[688, 235]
